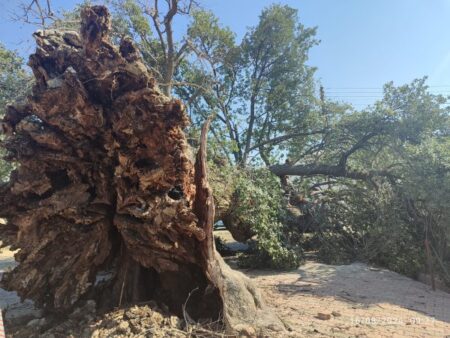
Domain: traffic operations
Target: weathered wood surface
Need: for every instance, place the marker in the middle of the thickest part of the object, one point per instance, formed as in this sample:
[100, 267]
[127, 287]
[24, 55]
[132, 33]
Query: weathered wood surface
[105, 202]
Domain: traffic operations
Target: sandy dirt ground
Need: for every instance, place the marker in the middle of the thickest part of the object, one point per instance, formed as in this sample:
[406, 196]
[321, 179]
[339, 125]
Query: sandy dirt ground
[6, 262]
[9, 300]
[319, 300]
[356, 300]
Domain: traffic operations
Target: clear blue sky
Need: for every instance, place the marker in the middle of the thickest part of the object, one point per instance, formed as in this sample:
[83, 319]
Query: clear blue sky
[364, 44]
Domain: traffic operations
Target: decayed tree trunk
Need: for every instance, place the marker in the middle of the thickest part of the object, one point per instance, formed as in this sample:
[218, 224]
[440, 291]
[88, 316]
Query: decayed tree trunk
[105, 202]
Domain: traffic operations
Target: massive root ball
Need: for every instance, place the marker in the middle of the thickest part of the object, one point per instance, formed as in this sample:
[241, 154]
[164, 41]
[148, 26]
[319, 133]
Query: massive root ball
[105, 202]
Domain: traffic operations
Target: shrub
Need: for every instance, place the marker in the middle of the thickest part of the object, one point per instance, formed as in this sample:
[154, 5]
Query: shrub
[261, 207]
[374, 227]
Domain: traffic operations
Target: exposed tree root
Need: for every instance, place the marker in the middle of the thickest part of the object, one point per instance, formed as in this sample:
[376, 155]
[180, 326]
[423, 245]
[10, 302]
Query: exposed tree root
[105, 202]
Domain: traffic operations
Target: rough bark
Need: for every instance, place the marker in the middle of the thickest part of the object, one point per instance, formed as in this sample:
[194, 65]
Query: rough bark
[339, 170]
[326, 170]
[105, 202]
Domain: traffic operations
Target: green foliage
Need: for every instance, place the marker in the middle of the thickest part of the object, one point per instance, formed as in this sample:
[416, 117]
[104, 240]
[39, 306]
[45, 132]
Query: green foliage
[258, 89]
[370, 225]
[426, 183]
[209, 36]
[275, 53]
[255, 198]
[386, 220]
[14, 85]
[13, 78]
[260, 206]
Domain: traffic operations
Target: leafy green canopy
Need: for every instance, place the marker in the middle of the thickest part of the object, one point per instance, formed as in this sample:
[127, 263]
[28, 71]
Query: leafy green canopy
[261, 89]
[14, 85]
[403, 141]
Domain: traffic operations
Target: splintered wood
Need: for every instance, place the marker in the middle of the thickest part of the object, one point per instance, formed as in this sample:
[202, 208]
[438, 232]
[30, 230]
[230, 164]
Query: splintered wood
[104, 186]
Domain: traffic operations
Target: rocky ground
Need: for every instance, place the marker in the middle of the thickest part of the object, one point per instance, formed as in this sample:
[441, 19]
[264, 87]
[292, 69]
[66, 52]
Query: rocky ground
[317, 300]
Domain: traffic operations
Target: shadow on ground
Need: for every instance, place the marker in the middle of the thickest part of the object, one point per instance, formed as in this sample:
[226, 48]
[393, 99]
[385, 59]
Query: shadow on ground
[363, 286]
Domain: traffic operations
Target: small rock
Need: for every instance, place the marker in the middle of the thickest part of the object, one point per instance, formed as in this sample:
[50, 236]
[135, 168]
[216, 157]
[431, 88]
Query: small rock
[336, 314]
[323, 316]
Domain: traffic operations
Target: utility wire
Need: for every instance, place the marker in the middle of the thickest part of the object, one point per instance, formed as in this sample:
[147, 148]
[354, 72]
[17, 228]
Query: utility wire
[381, 88]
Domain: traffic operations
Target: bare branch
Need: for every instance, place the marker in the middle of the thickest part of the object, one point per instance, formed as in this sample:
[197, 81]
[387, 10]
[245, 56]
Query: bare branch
[153, 12]
[34, 13]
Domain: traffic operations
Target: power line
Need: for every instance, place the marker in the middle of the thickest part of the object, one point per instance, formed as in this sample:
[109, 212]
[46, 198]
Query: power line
[375, 92]
[381, 88]
[366, 96]
[372, 92]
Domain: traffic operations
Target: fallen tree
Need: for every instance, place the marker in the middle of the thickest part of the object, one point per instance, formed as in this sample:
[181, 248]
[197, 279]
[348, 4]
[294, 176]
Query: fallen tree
[105, 203]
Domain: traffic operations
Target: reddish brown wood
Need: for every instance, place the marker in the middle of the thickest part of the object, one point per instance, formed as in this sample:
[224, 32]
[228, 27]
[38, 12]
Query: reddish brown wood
[105, 202]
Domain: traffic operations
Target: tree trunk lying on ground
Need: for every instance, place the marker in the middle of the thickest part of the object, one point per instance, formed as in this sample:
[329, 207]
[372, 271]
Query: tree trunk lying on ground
[105, 202]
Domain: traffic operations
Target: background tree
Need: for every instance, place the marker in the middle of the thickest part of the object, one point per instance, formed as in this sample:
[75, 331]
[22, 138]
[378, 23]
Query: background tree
[371, 183]
[14, 85]
[261, 88]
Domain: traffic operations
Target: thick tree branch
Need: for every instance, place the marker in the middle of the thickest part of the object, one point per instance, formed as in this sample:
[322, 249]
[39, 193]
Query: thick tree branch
[181, 52]
[326, 170]
[279, 139]
[339, 170]
[154, 14]
[358, 145]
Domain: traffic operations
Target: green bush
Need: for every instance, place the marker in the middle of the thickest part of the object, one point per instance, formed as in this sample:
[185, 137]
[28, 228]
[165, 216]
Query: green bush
[15, 84]
[261, 206]
[374, 227]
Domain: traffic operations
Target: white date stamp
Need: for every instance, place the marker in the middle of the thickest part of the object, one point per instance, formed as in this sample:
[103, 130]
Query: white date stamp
[391, 320]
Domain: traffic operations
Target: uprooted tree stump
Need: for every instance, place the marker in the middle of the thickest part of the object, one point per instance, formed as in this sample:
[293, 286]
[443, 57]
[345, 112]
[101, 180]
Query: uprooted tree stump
[105, 202]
